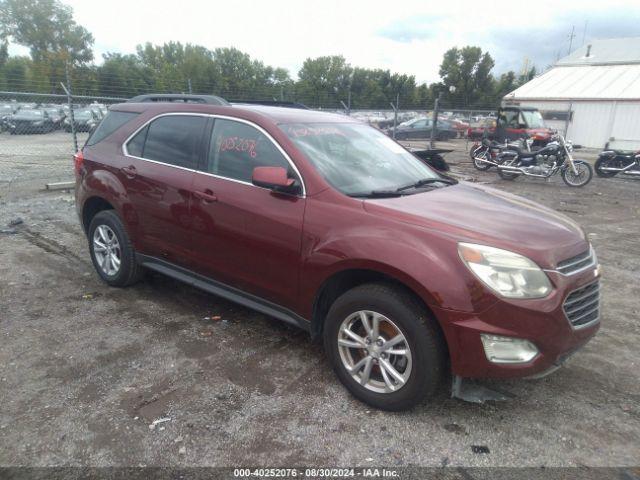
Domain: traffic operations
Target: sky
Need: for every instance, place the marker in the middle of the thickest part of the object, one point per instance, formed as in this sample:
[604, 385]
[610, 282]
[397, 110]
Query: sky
[405, 36]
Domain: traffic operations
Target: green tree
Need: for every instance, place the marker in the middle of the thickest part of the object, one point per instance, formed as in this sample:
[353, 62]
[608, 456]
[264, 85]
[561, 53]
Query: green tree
[47, 28]
[467, 69]
[15, 74]
[324, 81]
[54, 39]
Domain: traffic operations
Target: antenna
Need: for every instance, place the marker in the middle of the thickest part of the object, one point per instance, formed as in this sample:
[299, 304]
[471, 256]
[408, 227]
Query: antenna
[571, 37]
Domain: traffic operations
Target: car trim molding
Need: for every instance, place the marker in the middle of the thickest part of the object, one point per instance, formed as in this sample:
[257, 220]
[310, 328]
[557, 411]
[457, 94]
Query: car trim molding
[126, 153]
[225, 291]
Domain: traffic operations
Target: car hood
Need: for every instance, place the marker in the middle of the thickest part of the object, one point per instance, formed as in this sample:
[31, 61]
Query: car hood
[480, 214]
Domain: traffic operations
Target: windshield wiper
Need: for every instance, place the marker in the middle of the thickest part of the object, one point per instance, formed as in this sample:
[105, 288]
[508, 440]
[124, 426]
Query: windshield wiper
[426, 181]
[377, 194]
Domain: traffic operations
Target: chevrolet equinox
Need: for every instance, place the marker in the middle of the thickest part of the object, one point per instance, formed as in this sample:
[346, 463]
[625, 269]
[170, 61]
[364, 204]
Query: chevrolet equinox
[407, 276]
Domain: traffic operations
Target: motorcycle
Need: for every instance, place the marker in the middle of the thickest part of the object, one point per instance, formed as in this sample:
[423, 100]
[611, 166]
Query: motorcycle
[485, 154]
[612, 162]
[551, 159]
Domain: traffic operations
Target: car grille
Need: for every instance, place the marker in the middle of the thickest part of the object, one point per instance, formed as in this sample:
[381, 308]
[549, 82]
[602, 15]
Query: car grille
[577, 263]
[582, 306]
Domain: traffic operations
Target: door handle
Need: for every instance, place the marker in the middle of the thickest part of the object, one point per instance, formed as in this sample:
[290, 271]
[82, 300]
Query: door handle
[129, 171]
[207, 196]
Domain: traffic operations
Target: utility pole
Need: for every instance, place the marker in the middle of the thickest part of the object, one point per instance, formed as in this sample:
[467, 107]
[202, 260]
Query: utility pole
[584, 32]
[189, 83]
[571, 37]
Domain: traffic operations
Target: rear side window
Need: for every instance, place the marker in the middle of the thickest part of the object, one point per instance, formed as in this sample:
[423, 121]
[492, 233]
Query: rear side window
[237, 148]
[109, 124]
[173, 139]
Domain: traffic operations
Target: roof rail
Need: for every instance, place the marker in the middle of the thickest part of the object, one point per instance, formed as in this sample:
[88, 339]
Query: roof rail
[272, 103]
[180, 98]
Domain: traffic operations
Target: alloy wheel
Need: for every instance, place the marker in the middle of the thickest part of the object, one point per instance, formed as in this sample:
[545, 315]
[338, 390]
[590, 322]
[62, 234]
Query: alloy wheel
[579, 178]
[374, 351]
[106, 249]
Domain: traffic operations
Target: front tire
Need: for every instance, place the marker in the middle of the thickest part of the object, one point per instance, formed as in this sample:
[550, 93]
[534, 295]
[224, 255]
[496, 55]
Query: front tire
[111, 250]
[480, 152]
[585, 173]
[384, 346]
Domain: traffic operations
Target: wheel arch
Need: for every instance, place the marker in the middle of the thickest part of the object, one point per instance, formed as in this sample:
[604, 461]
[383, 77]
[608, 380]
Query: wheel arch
[346, 279]
[91, 207]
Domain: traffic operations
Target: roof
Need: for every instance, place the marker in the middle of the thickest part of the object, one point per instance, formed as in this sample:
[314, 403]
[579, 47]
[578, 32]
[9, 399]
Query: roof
[610, 51]
[280, 115]
[589, 82]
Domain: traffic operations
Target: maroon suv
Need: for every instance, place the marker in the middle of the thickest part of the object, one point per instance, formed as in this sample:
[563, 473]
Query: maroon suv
[328, 224]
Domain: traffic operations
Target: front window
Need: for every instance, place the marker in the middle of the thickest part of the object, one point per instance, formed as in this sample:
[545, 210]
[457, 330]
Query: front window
[533, 119]
[358, 160]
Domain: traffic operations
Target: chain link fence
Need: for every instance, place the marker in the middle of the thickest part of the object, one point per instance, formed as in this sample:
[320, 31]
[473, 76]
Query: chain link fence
[39, 133]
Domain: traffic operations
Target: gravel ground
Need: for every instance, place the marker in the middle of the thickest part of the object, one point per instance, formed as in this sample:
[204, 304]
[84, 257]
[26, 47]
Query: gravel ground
[86, 369]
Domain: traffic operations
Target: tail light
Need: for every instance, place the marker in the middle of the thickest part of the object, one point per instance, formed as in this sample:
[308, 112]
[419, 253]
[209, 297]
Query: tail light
[78, 161]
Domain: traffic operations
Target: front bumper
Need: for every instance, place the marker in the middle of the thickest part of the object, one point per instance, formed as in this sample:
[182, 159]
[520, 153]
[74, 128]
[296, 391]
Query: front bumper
[541, 321]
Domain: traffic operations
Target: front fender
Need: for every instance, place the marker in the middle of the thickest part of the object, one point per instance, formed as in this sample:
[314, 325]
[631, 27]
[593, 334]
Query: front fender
[424, 262]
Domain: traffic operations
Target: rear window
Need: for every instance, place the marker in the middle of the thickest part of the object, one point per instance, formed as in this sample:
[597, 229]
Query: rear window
[109, 124]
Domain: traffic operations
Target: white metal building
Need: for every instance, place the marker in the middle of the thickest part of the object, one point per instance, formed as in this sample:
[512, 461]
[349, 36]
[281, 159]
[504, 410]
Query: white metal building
[592, 94]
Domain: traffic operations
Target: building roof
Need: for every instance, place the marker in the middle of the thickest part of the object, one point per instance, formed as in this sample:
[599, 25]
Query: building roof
[610, 72]
[610, 51]
[590, 82]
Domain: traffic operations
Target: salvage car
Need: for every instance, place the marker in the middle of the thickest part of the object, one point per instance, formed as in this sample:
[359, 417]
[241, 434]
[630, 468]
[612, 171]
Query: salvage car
[420, 128]
[29, 120]
[408, 276]
[85, 120]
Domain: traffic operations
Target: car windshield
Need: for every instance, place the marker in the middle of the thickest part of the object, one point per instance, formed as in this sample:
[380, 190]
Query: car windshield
[357, 159]
[533, 118]
[82, 114]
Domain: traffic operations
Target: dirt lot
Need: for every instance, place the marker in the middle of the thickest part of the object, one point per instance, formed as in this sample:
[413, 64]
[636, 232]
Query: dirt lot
[85, 369]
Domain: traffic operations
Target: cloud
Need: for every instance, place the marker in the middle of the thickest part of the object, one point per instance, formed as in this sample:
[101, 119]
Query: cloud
[544, 44]
[412, 28]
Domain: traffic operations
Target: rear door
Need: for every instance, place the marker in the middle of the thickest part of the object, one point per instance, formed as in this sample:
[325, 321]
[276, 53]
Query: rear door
[245, 236]
[158, 172]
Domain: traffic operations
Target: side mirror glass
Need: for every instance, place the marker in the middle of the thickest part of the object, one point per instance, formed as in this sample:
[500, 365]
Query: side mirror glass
[274, 178]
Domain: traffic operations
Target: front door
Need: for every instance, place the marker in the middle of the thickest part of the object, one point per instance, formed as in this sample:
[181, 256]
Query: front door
[245, 236]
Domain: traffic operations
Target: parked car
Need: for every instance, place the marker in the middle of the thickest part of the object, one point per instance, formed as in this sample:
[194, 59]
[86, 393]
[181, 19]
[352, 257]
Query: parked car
[420, 128]
[515, 122]
[460, 126]
[485, 128]
[57, 116]
[6, 111]
[85, 120]
[29, 120]
[326, 223]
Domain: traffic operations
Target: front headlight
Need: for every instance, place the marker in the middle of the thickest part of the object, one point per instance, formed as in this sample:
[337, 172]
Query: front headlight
[507, 273]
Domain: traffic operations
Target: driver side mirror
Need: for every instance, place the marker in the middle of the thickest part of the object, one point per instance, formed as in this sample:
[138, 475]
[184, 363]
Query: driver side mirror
[274, 178]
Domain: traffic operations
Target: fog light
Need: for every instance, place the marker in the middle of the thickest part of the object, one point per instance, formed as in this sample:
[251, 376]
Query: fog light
[508, 350]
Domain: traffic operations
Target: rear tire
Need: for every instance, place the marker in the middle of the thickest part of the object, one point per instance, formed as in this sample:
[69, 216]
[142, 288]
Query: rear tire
[111, 250]
[602, 162]
[400, 316]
